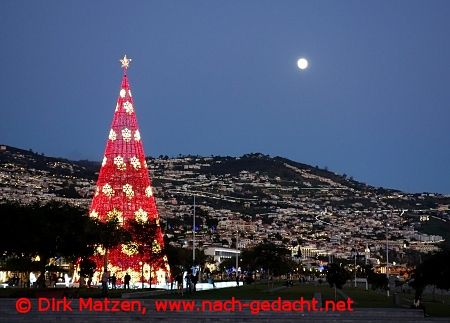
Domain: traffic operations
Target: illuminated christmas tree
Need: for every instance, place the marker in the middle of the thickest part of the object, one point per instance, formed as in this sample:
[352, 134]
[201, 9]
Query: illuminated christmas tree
[124, 192]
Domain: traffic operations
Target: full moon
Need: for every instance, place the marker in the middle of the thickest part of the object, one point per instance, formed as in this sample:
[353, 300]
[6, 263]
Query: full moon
[302, 63]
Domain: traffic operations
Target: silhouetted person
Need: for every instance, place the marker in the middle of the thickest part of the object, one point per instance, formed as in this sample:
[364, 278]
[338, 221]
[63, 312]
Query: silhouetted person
[105, 279]
[126, 281]
[189, 282]
[194, 282]
[113, 281]
[179, 280]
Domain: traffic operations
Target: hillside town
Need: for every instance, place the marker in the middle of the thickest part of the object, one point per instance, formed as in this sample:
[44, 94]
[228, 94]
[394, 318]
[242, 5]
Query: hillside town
[242, 201]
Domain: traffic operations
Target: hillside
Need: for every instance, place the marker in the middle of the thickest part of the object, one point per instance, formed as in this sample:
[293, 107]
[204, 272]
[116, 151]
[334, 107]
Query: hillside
[260, 196]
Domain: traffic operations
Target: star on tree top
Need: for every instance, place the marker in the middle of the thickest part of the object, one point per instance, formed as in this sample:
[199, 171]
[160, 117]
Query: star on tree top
[125, 61]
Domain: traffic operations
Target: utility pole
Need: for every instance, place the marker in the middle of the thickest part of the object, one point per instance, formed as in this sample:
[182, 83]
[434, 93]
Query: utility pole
[387, 258]
[237, 249]
[354, 253]
[193, 236]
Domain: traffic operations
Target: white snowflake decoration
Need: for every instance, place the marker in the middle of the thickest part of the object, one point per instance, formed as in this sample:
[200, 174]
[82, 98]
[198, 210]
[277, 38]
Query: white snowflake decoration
[141, 216]
[137, 135]
[122, 93]
[112, 135]
[108, 190]
[100, 251]
[156, 247]
[128, 190]
[104, 160]
[94, 214]
[157, 221]
[135, 162]
[126, 134]
[130, 249]
[118, 161]
[128, 107]
[115, 214]
[149, 191]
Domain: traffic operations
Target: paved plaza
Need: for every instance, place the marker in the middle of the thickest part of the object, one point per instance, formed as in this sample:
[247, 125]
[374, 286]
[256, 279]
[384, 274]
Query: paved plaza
[8, 313]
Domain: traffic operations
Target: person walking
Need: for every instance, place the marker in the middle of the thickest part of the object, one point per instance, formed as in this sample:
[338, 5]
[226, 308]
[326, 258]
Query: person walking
[105, 279]
[113, 281]
[126, 281]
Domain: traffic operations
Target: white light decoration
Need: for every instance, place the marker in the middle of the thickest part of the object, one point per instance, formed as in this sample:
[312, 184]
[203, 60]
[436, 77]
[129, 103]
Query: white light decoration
[97, 190]
[128, 190]
[156, 248]
[135, 162]
[100, 251]
[108, 190]
[137, 135]
[117, 106]
[122, 93]
[112, 135]
[104, 160]
[141, 216]
[145, 164]
[128, 107]
[94, 214]
[129, 93]
[115, 214]
[149, 191]
[157, 221]
[125, 61]
[118, 161]
[130, 249]
[126, 134]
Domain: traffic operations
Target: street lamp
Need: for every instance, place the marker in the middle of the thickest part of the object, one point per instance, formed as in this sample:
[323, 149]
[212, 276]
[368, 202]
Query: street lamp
[354, 254]
[193, 236]
[237, 256]
[387, 258]
[142, 274]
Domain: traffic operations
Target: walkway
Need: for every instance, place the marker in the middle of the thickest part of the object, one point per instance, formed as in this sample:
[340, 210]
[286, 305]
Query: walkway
[8, 313]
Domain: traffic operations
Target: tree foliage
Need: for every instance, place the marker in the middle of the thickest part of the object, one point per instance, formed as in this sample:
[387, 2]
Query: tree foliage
[271, 258]
[377, 281]
[337, 275]
[434, 270]
[51, 230]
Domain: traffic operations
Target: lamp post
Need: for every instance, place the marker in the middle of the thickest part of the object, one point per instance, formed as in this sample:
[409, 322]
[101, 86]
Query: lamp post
[387, 258]
[193, 236]
[354, 254]
[142, 274]
[237, 255]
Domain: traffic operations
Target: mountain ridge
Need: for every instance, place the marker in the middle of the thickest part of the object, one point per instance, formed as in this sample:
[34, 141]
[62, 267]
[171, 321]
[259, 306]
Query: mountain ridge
[263, 197]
